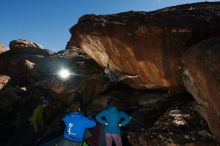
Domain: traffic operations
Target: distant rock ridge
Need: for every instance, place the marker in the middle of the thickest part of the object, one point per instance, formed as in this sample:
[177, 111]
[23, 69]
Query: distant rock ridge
[25, 46]
[14, 60]
[21, 43]
[71, 51]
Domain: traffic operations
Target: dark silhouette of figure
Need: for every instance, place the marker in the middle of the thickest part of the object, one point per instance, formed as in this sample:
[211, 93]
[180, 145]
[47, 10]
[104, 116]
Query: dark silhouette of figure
[115, 76]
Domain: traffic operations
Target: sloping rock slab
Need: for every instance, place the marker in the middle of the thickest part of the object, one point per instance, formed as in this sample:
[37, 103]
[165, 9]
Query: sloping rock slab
[202, 79]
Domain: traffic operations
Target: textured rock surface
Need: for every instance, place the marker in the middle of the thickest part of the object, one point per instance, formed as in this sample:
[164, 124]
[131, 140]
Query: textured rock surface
[21, 43]
[2, 49]
[3, 81]
[147, 43]
[30, 62]
[179, 125]
[25, 46]
[14, 60]
[39, 71]
[202, 79]
[145, 104]
[9, 97]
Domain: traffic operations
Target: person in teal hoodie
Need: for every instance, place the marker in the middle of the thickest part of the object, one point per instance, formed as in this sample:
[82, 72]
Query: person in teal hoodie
[113, 119]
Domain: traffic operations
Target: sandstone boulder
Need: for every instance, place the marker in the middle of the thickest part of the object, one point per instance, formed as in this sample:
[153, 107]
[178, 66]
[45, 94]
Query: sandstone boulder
[2, 49]
[202, 79]
[3, 81]
[150, 44]
[21, 43]
[15, 60]
[25, 46]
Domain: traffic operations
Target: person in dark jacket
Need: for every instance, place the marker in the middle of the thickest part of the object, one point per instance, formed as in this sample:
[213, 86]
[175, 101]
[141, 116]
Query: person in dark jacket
[113, 119]
[77, 97]
[116, 76]
[76, 124]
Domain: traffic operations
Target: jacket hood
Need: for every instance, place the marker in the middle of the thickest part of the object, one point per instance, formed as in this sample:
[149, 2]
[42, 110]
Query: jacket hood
[112, 108]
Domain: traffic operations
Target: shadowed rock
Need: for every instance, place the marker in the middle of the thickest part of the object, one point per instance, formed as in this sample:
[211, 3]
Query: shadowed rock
[86, 75]
[13, 60]
[202, 79]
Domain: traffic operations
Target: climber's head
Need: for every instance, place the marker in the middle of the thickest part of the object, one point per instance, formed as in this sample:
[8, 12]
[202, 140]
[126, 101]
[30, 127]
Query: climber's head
[75, 107]
[45, 103]
[114, 102]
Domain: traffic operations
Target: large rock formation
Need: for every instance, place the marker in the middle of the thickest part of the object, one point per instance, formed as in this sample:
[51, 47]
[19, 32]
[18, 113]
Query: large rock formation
[27, 62]
[202, 79]
[25, 46]
[15, 60]
[150, 44]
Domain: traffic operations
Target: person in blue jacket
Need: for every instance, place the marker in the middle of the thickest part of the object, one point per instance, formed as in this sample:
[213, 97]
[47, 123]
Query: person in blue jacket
[76, 124]
[113, 119]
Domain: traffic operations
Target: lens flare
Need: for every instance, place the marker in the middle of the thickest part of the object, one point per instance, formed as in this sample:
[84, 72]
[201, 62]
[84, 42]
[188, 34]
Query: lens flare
[64, 73]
